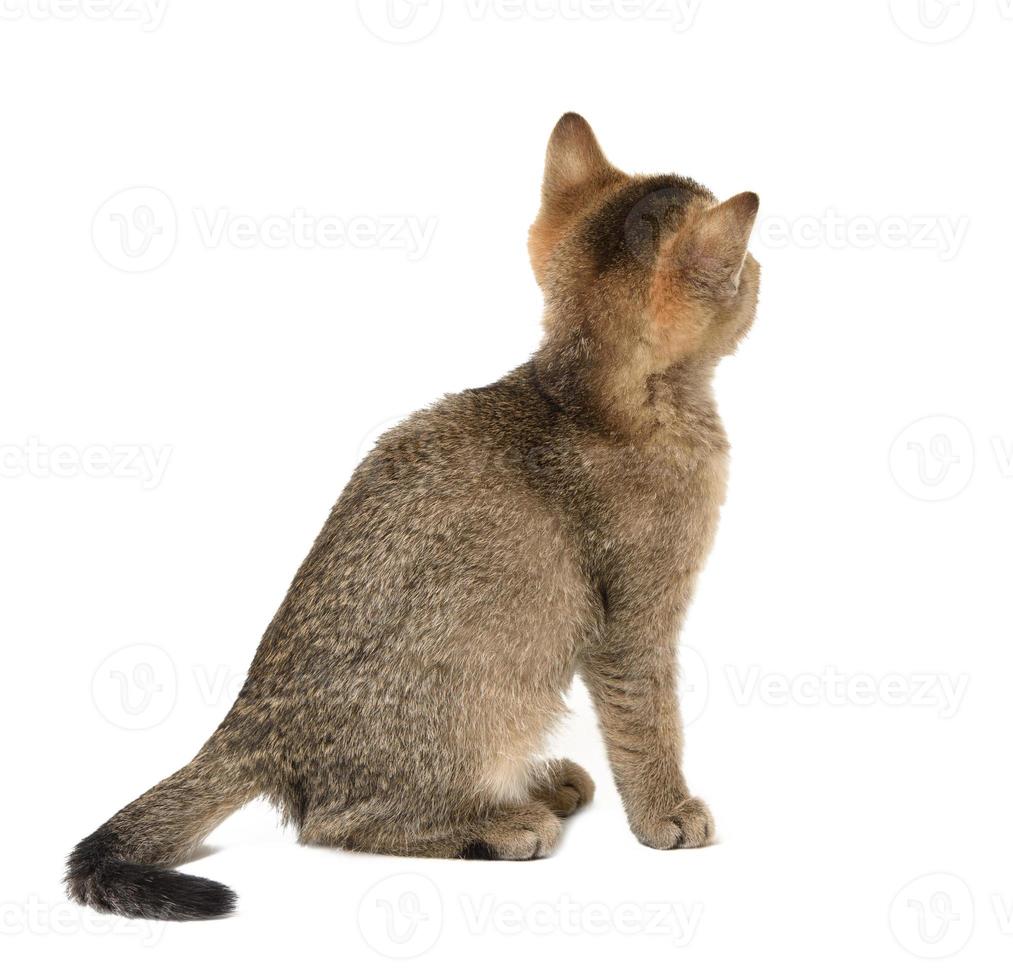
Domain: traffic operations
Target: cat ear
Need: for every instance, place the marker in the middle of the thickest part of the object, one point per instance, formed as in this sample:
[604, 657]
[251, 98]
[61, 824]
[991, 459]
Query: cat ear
[573, 159]
[715, 249]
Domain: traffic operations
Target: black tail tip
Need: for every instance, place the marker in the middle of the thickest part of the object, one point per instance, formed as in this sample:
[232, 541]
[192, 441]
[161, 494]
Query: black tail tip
[139, 891]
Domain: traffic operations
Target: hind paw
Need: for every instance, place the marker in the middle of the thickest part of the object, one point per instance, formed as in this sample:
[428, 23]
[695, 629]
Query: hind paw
[564, 787]
[515, 835]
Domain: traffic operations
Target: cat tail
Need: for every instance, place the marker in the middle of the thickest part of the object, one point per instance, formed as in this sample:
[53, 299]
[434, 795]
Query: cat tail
[124, 867]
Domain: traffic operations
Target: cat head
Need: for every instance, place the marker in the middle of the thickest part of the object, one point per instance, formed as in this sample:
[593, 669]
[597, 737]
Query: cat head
[646, 269]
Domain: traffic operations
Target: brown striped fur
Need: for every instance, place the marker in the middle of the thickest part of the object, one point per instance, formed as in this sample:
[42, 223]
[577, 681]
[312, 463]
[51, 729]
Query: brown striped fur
[486, 551]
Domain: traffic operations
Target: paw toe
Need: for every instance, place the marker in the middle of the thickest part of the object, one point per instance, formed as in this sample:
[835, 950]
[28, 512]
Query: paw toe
[690, 825]
[520, 836]
[565, 788]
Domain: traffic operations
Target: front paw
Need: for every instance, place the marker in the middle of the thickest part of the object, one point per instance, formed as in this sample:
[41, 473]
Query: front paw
[689, 825]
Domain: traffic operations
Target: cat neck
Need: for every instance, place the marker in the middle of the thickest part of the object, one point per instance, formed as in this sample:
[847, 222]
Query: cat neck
[611, 384]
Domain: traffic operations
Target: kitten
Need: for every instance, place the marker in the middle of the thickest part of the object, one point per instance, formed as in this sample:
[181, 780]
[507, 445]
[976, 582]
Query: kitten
[489, 548]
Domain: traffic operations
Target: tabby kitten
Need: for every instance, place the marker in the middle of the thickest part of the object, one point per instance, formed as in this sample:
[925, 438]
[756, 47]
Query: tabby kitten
[489, 548]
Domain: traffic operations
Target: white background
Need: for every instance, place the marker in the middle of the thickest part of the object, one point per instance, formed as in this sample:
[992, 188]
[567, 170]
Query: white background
[177, 416]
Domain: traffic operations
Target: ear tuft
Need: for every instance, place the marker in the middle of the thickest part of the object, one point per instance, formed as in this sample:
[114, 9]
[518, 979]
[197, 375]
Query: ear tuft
[573, 158]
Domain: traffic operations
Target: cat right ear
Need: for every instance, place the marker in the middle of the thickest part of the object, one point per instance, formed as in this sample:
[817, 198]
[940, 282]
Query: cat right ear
[713, 246]
[573, 160]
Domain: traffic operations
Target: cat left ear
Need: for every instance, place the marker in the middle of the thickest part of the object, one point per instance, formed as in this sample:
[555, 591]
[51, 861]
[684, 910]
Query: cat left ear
[715, 251]
[573, 159]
